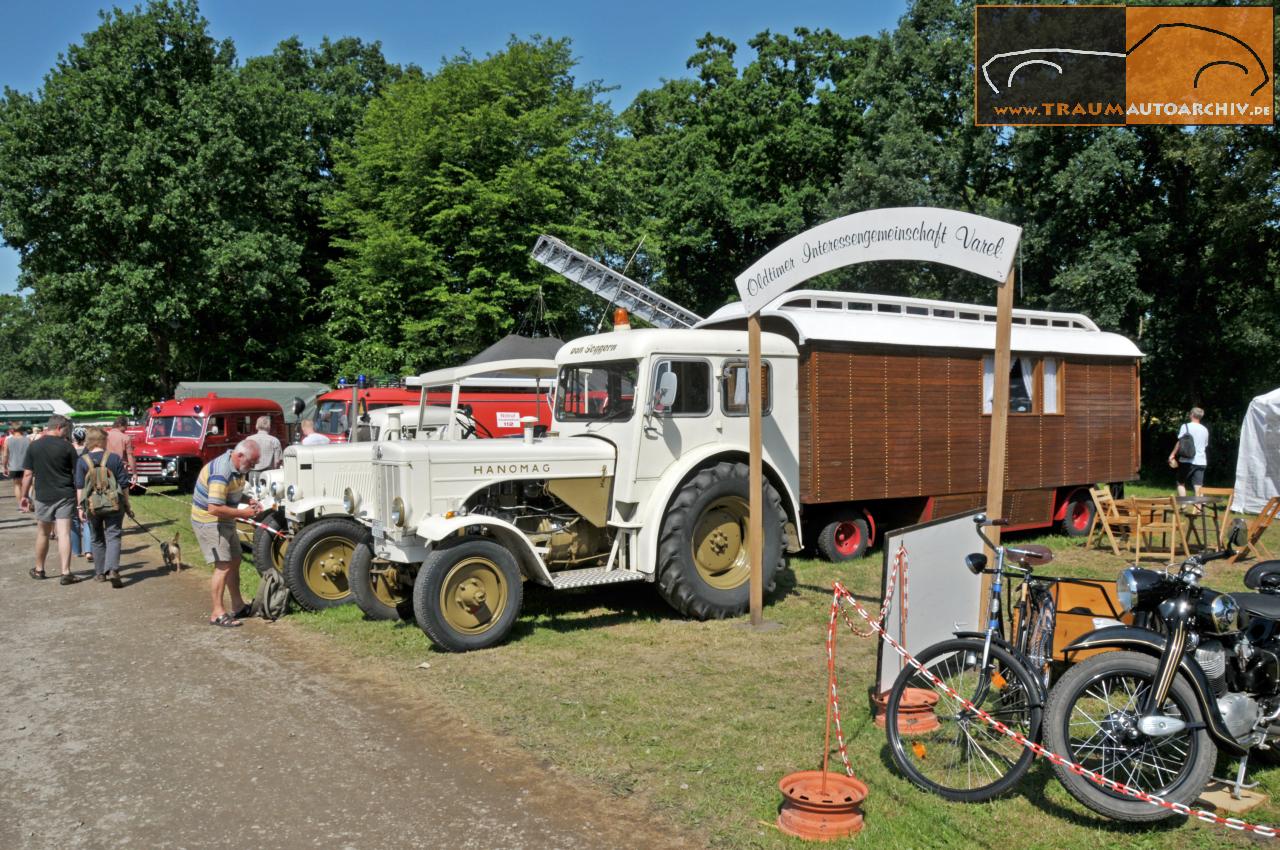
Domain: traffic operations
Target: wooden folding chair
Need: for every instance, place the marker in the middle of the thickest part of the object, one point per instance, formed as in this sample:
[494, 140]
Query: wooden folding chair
[1224, 519]
[1159, 517]
[1257, 527]
[1109, 519]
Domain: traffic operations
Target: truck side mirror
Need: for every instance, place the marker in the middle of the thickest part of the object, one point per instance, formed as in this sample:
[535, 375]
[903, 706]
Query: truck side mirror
[665, 395]
[298, 406]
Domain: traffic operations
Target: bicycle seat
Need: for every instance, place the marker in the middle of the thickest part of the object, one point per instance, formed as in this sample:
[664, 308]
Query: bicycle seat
[1264, 576]
[1030, 555]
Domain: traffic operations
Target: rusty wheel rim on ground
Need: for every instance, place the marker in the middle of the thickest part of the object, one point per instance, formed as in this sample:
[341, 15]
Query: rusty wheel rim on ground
[820, 806]
[916, 714]
[720, 543]
[325, 569]
[473, 595]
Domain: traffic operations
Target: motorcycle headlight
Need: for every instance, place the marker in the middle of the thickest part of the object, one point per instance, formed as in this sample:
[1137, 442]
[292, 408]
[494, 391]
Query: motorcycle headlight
[276, 488]
[294, 492]
[397, 512]
[1127, 590]
[349, 501]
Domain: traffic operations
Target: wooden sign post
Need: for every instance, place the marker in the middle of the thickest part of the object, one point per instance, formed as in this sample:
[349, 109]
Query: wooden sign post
[755, 520]
[962, 240]
[999, 425]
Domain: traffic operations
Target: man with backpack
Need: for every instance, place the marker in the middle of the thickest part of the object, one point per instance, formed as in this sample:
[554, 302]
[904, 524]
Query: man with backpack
[102, 493]
[1190, 453]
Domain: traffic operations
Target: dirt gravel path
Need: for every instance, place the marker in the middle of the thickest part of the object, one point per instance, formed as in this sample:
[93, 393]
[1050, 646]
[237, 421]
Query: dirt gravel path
[125, 721]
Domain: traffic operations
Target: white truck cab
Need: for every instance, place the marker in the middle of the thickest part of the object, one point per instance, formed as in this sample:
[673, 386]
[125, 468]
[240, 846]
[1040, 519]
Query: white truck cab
[643, 477]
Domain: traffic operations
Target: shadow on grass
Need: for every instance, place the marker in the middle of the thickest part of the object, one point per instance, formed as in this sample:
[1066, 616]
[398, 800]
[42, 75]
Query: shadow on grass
[1035, 786]
[568, 611]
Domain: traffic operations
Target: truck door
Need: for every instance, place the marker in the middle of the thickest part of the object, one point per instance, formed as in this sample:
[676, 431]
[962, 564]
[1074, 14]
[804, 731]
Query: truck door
[216, 438]
[682, 424]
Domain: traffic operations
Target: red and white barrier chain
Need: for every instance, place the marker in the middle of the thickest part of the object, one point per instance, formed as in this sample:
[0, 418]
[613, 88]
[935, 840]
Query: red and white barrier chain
[277, 532]
[899, 569]
[841, 595]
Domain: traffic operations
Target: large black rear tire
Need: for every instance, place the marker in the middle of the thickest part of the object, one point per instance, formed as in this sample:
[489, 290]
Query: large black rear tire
[704, 567]
[1088, 719]
[315, 566]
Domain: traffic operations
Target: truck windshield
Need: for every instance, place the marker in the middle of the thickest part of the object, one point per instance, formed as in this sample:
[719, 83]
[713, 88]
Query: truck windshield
[597, 391]
[331, 417]
[176, 426]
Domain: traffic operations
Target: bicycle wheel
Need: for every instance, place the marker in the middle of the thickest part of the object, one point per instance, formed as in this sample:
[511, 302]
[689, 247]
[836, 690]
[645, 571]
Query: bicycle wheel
[961, 757]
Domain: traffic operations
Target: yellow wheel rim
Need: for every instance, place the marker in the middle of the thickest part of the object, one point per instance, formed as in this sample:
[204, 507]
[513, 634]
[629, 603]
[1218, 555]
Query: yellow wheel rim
[473, 595]
[386, 586]
[279, 546]
[325, 568]
[720, 543]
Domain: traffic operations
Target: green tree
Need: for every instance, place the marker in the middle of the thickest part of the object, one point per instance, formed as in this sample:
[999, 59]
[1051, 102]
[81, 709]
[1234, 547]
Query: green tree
[448, 183]
[165, 202]
[729, 164]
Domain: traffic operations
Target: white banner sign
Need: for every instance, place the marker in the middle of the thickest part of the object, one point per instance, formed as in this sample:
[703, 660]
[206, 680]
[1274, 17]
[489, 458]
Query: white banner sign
[980, 245]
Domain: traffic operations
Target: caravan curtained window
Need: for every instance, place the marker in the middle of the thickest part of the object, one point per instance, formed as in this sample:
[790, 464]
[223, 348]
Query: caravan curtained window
[1035, 384]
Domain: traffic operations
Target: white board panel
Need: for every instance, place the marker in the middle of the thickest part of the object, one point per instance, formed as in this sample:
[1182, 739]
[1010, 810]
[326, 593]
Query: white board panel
[943, 596]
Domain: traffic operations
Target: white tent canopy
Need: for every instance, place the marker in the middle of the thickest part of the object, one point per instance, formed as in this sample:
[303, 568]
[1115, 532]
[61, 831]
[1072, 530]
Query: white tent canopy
[1258, 466]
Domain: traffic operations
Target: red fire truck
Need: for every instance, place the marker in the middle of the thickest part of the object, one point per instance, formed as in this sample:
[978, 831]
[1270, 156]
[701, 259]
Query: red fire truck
[183, 435]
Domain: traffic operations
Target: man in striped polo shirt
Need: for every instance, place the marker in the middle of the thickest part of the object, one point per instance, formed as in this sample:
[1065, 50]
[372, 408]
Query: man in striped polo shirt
[215, 507]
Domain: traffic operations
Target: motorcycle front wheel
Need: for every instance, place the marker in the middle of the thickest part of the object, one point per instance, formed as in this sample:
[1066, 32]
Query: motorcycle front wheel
[1091, 719]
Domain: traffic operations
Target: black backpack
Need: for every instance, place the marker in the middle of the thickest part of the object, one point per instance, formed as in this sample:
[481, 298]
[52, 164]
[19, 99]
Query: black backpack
[1186, 446]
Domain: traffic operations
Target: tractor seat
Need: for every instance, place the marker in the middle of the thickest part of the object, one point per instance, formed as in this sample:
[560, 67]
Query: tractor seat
[1264, 576]
[1266, 605]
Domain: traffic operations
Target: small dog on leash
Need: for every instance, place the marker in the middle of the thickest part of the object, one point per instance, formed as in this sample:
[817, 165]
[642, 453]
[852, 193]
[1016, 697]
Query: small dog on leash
[172, 553]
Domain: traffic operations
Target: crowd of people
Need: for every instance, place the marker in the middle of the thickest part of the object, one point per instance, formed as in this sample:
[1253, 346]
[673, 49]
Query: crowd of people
[48, 469]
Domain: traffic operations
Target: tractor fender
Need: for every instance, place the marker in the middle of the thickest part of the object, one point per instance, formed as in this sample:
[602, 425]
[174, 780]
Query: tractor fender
[677, 474]
[433, 530]
[306, 509]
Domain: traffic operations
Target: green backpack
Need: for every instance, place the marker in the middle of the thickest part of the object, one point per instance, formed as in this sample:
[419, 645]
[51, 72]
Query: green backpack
[101, 490]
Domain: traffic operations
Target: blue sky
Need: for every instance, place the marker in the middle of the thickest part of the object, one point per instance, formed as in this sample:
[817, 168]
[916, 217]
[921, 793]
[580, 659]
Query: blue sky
[629, 45]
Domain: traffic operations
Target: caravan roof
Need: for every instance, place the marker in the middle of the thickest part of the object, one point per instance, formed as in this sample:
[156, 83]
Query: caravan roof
[896, 320]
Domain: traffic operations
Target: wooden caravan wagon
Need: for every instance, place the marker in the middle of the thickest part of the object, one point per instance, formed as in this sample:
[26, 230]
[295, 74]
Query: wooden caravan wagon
[895, 403]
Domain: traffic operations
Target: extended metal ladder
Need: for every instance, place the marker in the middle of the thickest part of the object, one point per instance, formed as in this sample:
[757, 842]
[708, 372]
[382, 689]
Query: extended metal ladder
[611, 286]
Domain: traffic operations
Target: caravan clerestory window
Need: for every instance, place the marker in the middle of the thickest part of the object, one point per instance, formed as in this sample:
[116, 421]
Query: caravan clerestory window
[1035, 384]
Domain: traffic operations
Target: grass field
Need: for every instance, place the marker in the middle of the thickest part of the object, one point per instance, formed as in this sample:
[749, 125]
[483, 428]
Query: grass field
[701, 720]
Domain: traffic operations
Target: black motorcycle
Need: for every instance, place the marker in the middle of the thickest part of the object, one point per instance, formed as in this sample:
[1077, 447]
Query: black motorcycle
[1197, 672]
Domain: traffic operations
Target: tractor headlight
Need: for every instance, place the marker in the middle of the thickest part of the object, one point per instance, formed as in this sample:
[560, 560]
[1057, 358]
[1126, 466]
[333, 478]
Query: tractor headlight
[294, 492]
[349, 501]
[397, 512]
[276, 487]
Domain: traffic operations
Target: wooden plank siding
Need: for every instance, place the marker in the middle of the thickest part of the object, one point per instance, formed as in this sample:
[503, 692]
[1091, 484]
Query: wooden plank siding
[888, 422]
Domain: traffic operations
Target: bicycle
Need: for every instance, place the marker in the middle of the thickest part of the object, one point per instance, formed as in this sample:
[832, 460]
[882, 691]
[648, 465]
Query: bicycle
[959, 757]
